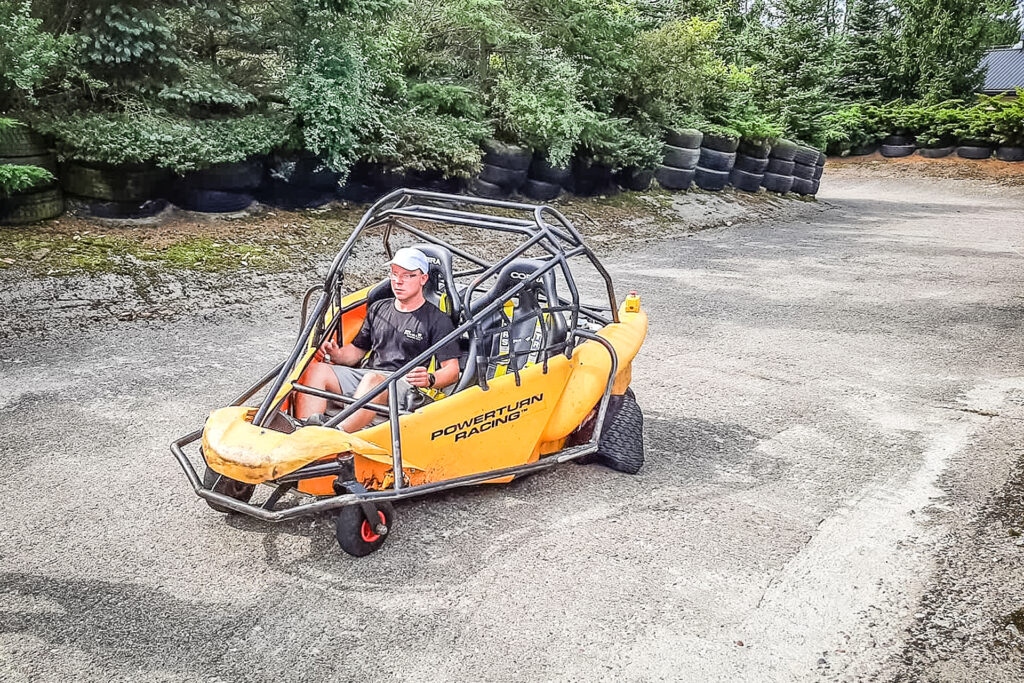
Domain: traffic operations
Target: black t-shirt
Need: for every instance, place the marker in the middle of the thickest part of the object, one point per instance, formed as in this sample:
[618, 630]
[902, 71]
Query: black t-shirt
[395, 337]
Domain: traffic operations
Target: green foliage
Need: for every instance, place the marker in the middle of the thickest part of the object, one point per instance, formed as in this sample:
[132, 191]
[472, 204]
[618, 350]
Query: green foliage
[797, 81]
[18, 178]
[864, 63]
[1006, 115]
[536, 101]
[619, 142]
[938, 48]
[122, 42]
[202, 86]
[28, 55]
[333, 95]
[679, 73]
[15, 179]
[418, 85]
[180, 144]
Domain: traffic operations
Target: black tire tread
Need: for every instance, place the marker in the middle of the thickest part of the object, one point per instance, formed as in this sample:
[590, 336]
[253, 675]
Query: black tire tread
[621, 446]
[720, 143]
[509, 179]
[674, 179]
[973, 152]
[780, 166]
[1004, 153]
[710, 179]
[936, 152]
[715, 160]
[687, 138]
[29, 207]
[804, 171]
[47, 161]
[746, 181]
[775, 182]
[21, 141]
[238, 175]
[540, 190]
[212, 201]
[784, 149]
[511, 157]
[347, 524]
[751, 164]
[112, 184]
[680, 157]
[896, 151]
[229, 487]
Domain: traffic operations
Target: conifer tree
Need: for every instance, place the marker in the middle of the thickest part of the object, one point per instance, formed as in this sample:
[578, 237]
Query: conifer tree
[864, 63]
[798, 78]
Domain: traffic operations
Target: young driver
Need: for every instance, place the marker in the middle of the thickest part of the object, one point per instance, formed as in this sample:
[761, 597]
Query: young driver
[395, 331]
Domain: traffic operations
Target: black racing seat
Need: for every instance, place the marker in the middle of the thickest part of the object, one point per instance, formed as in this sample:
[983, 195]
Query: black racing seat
[523, 331]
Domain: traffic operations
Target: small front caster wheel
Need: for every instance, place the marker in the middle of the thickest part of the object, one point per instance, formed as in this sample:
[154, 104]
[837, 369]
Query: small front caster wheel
[355, 534]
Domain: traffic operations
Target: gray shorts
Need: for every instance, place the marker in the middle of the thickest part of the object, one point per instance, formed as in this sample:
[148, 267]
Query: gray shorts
[349, 378]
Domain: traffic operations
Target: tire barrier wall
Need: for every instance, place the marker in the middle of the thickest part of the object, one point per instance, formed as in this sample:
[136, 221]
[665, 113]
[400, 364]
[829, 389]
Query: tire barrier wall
[297, 180]
[895, 146]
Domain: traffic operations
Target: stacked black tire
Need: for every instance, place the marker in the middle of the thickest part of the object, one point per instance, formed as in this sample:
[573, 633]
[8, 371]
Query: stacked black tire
[896, 146]
[591, 178]
[122, 191]
[716, 161]
[680, 156]
[937, 151]
[19, 146]
[223, 188]
[807, 167]
[635, 179]
[298, 181]
[544, 182]
[778, 174]
[1010, 153]
[751, 164]
[972, 149]
[503, 172]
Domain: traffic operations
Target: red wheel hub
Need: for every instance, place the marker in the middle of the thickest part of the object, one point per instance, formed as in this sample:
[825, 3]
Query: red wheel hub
[369, 535]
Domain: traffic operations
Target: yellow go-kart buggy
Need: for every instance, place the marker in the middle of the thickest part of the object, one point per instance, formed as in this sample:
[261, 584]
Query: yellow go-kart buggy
[544, 379]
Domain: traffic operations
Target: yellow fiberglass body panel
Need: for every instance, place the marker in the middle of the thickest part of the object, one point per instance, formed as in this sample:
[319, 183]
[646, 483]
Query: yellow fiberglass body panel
[241, 450]
[590, 367]
[474, 430]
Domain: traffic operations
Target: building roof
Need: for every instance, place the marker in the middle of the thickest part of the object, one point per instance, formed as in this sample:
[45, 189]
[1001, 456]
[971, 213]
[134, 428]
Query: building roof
[1005, 69]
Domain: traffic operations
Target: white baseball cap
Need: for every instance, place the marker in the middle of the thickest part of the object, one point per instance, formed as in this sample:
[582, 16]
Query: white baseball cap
[410, 259]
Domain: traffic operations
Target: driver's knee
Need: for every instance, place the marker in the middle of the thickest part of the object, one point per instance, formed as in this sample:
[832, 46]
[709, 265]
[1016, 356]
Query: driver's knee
[368, 382]
[321, 376]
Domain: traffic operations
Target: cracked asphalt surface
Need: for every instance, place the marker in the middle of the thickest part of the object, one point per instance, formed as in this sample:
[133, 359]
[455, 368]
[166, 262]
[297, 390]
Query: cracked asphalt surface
[833, 412]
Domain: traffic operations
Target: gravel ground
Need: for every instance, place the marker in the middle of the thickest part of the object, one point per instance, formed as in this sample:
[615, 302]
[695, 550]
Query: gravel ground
[833, 400]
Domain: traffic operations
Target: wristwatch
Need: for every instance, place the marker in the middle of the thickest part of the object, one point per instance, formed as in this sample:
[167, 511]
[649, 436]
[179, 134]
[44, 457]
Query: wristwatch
[430, 380]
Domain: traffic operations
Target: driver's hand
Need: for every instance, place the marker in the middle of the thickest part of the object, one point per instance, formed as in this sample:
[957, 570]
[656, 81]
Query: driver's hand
[330, 348]
[418, 377]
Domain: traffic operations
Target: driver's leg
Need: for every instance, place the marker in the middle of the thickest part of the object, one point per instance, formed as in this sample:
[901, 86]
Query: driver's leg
[318, 376]
[361, 418]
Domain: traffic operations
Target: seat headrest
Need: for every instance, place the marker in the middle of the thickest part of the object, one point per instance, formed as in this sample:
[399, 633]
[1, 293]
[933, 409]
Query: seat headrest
[441, 279]
[514, 273]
